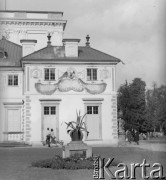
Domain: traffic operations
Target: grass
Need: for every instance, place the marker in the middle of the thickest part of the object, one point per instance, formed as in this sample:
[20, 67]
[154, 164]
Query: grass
[15, 163]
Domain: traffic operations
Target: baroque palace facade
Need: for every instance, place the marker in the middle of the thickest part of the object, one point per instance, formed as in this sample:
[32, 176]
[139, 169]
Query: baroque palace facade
[44, 79]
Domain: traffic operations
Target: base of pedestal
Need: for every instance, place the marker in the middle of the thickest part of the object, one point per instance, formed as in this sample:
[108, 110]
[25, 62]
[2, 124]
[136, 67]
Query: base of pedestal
[76, 147]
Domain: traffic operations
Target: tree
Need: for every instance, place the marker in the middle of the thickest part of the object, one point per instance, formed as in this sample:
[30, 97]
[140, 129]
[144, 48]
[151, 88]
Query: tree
[156, 108]
[132, 104]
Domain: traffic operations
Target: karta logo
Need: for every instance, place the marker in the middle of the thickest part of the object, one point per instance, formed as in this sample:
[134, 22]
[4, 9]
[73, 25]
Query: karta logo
[103, 167]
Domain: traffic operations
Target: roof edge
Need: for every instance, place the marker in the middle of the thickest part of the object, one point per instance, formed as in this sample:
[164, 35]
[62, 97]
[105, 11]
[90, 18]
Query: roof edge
[29, 11]
[11, 42]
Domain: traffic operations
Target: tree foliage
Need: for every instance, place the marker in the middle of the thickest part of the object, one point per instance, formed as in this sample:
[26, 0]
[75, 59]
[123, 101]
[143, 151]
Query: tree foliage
[132, 105]
[144, 110]
[156, 108]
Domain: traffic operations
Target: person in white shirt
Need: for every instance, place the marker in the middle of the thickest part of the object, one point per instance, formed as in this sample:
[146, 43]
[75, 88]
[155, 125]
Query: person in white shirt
[52, 134]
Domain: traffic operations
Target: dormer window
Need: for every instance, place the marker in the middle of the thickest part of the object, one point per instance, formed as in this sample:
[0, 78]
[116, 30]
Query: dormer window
[49, 74]
[3, 54]
[12, 80]
[91, 74]
[6, 55]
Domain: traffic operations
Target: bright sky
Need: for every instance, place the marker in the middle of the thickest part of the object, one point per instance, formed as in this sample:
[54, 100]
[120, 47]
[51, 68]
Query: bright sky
[132, 30]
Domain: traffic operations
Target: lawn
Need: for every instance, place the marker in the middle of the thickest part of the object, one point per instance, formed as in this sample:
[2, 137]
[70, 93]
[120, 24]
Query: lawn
[15, 163]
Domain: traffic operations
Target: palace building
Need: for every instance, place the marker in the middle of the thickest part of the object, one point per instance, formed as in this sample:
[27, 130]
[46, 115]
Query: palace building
[45, 79]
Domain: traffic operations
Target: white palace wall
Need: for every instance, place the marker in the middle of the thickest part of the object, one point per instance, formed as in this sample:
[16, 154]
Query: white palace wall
[19, 25]
[29, 102]
[69, 102]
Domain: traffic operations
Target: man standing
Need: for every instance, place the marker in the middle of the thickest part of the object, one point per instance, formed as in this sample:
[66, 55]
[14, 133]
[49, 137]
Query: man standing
[136, 136]
[48, 137]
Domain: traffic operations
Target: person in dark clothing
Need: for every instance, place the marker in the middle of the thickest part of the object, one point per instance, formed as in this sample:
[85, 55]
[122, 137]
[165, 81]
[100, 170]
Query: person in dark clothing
[136, 136]
[129, 136]
[48, 136]
[132, 134]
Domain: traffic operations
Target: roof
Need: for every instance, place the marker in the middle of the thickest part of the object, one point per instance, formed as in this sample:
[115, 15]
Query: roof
[14, 53]
[53, 53]
[58, 53]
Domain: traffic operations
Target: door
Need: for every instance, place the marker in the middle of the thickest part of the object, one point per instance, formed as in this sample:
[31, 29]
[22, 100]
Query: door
[93, 122]
[50, 119]
[14, 124]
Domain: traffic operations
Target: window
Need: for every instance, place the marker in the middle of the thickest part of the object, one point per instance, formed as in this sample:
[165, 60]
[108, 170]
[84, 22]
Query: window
[92, 110]
[49, 110]
[91, 74]
[89, 109]
[46, 110]
[49, 74]
[95, 109]
[13, 80]
[53, 110]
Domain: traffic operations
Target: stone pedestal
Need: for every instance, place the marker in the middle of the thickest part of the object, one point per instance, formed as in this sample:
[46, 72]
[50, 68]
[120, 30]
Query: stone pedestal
[77, 147]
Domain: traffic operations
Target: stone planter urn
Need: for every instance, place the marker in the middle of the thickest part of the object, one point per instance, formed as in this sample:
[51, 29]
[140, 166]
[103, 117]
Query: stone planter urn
[76, 146]
[76, 135]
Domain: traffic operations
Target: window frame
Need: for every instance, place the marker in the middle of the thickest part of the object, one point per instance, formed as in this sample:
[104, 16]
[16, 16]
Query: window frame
[50, 74]
[92, 110]
[49, 110]
[13, 81]
[92, 74]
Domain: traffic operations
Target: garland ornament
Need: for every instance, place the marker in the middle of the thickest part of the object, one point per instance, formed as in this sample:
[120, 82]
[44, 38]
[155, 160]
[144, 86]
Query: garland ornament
[68, 82]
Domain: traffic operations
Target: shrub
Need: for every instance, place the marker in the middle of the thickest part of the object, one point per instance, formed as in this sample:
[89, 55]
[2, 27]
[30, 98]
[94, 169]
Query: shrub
[75, 162]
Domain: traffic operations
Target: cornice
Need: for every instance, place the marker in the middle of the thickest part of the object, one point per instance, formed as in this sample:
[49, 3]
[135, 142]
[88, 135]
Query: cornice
[32, 22]
[26, 11]
[69, 61]
[13, 68]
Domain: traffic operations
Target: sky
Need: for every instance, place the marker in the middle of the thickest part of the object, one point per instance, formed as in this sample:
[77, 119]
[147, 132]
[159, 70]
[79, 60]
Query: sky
[131, 30]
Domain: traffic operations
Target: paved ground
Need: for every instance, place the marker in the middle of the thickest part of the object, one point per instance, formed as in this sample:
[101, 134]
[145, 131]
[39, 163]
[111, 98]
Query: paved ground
[148, 146]
[15, 163]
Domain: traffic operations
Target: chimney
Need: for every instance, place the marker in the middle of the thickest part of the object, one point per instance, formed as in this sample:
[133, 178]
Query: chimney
[71, 47]
[87, 41]
[28, 46]
[49, 42]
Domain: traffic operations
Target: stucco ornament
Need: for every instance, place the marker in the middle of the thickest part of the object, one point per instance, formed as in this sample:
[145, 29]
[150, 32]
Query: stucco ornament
[69, 81]
[66, 85]
[46, 89]
[105, 74]
[36, 73]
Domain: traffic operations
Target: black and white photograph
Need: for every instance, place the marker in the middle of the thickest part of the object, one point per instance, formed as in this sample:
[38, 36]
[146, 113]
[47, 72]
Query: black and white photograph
[82, 89]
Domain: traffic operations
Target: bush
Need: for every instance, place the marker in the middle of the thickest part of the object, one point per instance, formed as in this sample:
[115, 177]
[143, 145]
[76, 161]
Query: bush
[43, 163]
[75, 162]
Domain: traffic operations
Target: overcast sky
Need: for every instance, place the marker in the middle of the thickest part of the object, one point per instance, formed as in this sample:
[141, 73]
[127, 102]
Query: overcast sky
[132, 30]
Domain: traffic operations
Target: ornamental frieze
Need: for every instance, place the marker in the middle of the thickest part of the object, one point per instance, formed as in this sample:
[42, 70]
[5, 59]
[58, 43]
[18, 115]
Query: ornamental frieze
[70, 82]
[31, 23]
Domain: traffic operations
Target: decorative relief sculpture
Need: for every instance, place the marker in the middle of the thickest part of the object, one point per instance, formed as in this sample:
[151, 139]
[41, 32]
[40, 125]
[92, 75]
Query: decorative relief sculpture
[104, 74]
[46, 89]
[66, 85]
[36, 73]
[72, 73]
[69, 81]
